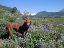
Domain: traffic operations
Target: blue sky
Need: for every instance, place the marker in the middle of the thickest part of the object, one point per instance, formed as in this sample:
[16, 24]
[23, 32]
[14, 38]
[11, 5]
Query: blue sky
[34, 6]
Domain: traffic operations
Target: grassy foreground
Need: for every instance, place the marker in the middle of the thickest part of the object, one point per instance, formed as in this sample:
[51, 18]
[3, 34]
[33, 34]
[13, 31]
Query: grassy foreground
[36, 38]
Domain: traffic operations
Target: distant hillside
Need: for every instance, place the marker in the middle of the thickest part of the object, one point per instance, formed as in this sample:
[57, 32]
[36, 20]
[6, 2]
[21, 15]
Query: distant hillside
[10, 14]
[50, 14]
[5, 8]
[62, 10]
[39, 14]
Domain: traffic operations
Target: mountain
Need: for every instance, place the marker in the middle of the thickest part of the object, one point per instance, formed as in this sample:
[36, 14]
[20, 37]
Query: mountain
[9, 9]
[50, 14]
[62, 10]
[5, 8]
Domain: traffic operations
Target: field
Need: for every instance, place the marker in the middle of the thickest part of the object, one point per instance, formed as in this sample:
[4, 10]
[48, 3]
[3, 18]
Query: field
[43, 33]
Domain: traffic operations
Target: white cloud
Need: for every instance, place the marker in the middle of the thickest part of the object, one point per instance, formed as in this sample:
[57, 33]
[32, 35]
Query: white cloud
[33, 13]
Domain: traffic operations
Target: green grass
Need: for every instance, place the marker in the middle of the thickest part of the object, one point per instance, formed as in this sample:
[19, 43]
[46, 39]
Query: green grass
[39, 21]
[38, 37]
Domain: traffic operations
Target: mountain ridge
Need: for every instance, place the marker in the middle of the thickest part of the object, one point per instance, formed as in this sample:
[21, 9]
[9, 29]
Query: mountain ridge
[50, 14]
[41, 13]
